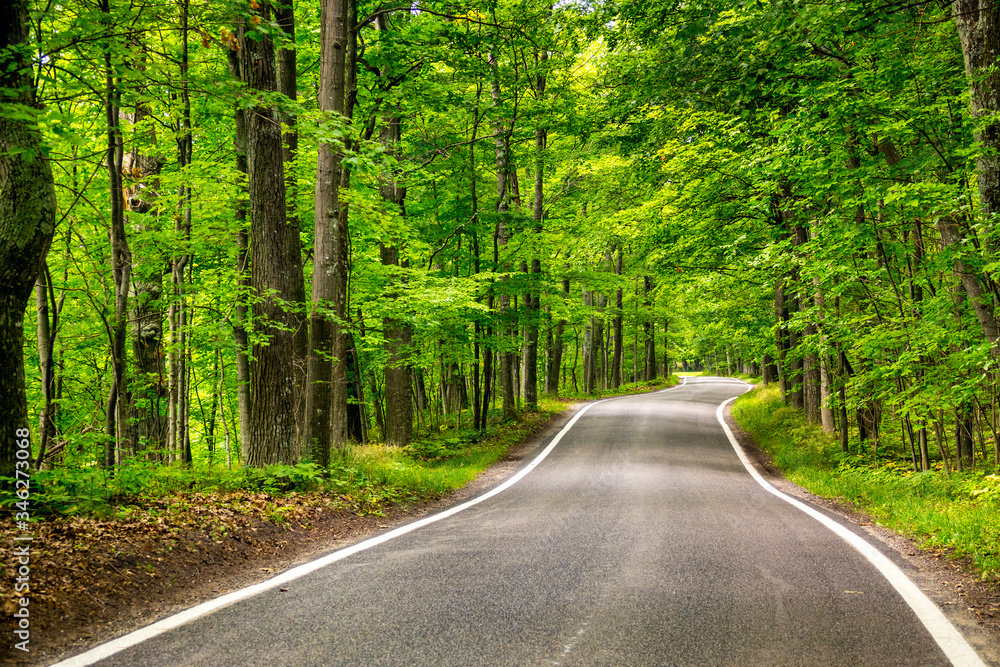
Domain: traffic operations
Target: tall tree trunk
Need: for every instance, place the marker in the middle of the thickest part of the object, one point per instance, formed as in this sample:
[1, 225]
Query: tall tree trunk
[272, 408]
[531, 299]
[241, 340]
[398, 406]
[121, 256]
[178, 433]
[648, 326]
[616, 361]
[47, 315]
[284, 16]
[555, 365]
[501, 141]
[981, 300]
[588, 344]
[478, 414]
[27, 221]
[330, 255]
[667, 360]
[147, 426]
[342, 390]
[978, 23]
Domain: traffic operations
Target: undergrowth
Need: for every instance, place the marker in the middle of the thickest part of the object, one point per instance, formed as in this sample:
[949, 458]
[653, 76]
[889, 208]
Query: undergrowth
[366, 478]
[957, 512]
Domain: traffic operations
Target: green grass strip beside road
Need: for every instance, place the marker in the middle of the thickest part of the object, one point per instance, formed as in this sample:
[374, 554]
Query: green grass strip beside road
[958, 513]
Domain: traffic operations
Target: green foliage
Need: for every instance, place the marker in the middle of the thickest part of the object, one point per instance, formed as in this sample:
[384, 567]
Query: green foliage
[727, 152]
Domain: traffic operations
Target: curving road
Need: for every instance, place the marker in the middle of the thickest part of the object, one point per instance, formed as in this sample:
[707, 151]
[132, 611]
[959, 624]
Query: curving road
[640, 540]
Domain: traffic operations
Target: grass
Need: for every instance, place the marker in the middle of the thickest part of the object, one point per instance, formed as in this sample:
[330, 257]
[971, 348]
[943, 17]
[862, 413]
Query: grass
[958, 513]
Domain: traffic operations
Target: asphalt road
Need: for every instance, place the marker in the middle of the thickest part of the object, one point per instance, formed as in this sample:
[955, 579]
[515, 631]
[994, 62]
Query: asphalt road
[640, 540]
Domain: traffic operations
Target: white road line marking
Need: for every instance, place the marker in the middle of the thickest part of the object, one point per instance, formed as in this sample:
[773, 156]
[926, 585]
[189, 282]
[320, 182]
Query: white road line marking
[126, 641]
[951, 641]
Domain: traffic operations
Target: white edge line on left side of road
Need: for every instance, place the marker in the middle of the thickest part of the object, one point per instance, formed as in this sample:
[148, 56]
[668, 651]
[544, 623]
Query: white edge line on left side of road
[951, 641]
[114, 646]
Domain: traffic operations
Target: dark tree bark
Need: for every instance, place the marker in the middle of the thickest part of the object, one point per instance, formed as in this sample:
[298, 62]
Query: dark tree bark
[616, 360]
[555, 363]
[978, 23]
[398, 406]
[649, 332]
[326, 402]
[27, 220]
[769, 371]
[284, 16]
[982, 302]
[781, 338]
[272, 409]
[396, 331]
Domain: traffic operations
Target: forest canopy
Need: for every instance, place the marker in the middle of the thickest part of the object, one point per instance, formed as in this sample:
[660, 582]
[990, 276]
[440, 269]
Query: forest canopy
[257, 231]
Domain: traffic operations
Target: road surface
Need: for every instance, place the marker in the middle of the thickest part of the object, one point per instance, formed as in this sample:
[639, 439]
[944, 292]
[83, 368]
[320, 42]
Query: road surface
[641, 539]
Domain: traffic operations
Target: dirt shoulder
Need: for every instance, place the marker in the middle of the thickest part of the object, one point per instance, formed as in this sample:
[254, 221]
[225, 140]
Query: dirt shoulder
[92, 580]
[972, 606]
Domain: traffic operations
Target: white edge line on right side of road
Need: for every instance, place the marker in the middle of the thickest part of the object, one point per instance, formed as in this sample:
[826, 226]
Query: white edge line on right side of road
[114, 646]
[951, 641]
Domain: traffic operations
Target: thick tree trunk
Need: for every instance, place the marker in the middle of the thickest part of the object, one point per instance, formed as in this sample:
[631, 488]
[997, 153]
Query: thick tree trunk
[598, 349]
[980, 299]
[398, 406]
[272, 409]
[147, 425]
[396, 332]
[27, 223]
[978, 23]
[330, 259]
[398, 403]
[284, 16]
[768, 370]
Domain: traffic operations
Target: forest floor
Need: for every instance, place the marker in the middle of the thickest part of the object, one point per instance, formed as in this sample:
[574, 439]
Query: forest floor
[93, 580]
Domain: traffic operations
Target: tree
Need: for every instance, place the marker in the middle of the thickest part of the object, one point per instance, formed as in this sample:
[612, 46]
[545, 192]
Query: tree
[27, 218]
[272, 410]
[326, 375]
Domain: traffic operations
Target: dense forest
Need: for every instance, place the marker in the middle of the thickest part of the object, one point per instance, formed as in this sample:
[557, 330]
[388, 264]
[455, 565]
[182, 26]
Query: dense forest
[247, 233]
